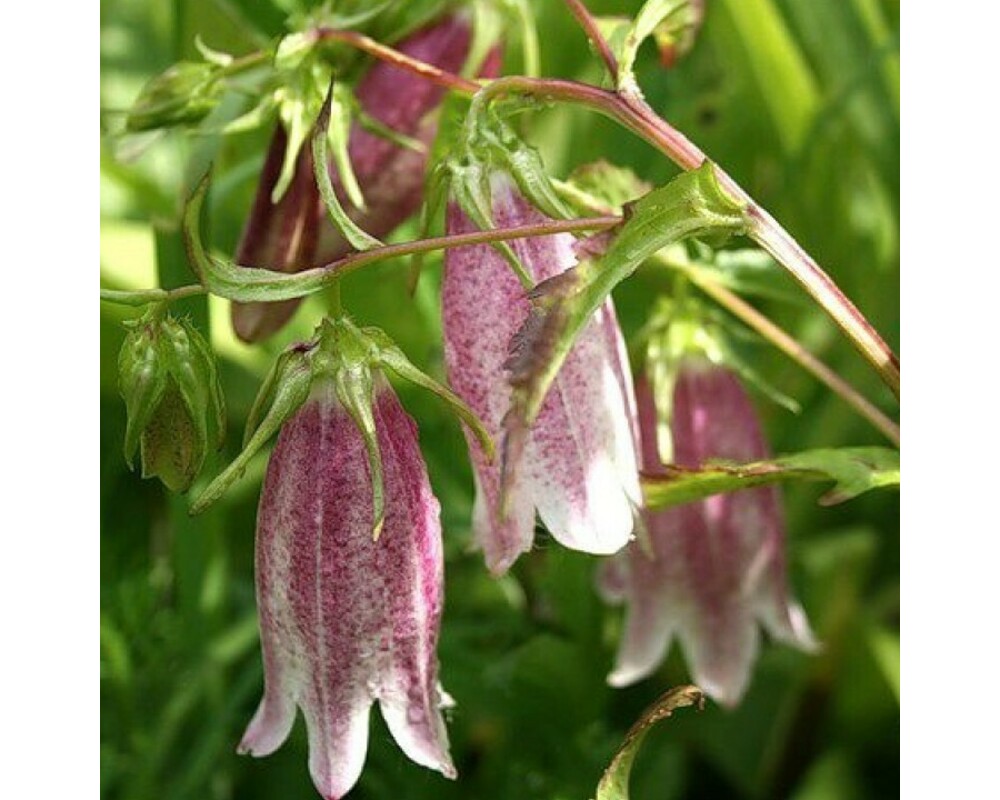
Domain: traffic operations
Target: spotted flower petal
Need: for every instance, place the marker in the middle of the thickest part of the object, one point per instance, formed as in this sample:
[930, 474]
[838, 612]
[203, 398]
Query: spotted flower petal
[347, 619]
[579, 466]
[711, 570]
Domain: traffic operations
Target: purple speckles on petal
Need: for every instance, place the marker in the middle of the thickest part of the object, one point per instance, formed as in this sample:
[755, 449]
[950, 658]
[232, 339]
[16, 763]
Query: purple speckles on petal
[347, 620]
[579, 467]
[714, 569]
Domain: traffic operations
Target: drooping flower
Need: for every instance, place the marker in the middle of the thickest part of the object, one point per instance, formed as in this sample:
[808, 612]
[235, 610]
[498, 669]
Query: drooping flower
[294, 233]
[347, 619]
[710, 571]
[579, 465]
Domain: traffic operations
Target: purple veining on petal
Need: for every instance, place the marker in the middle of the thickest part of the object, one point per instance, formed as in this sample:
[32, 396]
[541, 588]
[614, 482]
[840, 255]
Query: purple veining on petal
[579, 466]
[391, 177]
[346, 620]
[716, 566]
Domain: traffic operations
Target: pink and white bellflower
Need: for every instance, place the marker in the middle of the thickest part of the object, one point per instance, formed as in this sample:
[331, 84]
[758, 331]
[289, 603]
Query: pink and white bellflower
[579, 467]
[347, 619]
[711, 570]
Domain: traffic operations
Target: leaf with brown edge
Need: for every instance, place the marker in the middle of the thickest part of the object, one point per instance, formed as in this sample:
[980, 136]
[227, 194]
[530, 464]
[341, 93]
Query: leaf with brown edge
[692, 204]
[614, 782]
[853, 470]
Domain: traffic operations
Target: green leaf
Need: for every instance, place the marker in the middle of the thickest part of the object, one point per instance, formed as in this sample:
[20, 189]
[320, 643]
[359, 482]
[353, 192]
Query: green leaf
[853, 470]
[693, 204]
[614, 782]
[244, 284]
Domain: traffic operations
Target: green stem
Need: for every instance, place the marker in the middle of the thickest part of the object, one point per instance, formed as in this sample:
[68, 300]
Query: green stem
[146, 296]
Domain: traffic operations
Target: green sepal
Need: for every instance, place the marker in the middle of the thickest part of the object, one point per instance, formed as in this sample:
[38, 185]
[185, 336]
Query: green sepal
[338, 135]
[435, 200]
[392, 358]
[292, 358]
[614, 781]
[853, 470]
[355, 390]
[672, 22]
[288, 395]
[257, 116]
[212, 56]
[523, 162]
[358, 238]
[347, 354]
[142, 383]
[470, 190]
[293, 49]
[213, 382]
[299, 100]
[191, 374]
[375, 126]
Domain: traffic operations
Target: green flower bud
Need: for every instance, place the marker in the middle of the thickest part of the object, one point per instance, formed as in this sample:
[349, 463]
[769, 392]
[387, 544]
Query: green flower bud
[170, 384]
[182, 95]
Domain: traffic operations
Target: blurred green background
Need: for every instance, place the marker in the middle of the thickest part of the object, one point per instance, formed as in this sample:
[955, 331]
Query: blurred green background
[799, 101]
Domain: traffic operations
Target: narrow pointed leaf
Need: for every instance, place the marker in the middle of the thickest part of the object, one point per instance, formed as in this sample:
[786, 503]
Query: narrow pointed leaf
[853, 470]
[614, 782]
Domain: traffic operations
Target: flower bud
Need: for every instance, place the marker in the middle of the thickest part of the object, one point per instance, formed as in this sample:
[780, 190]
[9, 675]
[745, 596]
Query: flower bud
[182, 95]
[294, 234]
[578, 467]
[170, 384]
[347, 619]
[706, 572]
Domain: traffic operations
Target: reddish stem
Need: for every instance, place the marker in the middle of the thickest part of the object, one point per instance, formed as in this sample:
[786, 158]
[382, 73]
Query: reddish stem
[448, 80]
[633, 112]
[589, 25]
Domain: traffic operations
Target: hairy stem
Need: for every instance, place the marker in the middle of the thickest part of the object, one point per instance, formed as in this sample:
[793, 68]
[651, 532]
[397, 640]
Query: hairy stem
[147, 296]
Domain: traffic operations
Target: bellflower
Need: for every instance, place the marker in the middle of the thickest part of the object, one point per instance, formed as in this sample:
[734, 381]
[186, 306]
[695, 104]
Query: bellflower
[579, 466]
[294, 233]
[347, 619]
[710, 570]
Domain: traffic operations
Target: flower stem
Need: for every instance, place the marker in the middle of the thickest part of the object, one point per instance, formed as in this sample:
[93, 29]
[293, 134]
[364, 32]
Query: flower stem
[147, 296]
[749, 315]
[589, 25]
[441, 77]
[633, 113]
